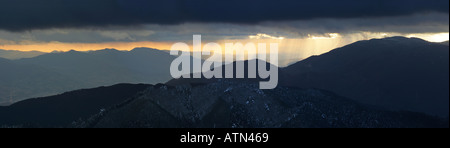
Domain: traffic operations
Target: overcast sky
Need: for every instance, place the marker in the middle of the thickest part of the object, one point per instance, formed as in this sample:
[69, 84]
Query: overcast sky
[48, 25]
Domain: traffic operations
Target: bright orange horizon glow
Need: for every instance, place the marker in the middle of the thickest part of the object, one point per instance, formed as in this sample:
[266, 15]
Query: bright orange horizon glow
[58, 46]
[319, 44]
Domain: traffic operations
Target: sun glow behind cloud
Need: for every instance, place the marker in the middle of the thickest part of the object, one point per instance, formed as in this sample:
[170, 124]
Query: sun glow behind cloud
[290, 49]
[439, 37]
[327, 36]
[264, 36]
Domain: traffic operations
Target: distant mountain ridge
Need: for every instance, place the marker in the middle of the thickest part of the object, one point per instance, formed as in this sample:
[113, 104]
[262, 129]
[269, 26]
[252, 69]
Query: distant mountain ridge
[59, 72]
[109, 66]
[13, 54]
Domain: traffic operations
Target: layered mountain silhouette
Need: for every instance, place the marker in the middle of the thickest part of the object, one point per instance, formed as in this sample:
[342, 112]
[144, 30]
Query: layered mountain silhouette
[198, 81]
[396, 73]
[62, 110]
[13, 55]
[391, 82]
[235, 103]
[58, 72]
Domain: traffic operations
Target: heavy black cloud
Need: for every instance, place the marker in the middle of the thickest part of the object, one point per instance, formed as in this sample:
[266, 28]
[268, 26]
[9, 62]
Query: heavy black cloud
[20, 15]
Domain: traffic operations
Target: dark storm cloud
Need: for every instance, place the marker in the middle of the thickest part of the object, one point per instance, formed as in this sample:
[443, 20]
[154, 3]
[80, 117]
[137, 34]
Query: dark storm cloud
[20, 15]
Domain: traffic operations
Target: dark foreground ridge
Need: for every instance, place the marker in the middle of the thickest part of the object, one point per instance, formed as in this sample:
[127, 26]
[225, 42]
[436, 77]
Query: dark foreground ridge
[62, 110]
[238, 104]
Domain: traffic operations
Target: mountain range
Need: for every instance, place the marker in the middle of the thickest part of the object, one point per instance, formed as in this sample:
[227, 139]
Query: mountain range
[13, 55]
[390, 82]
[59, 72]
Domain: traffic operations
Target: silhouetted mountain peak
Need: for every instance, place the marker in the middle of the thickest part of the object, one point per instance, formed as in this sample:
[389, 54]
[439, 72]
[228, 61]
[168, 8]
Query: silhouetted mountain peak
[106, 52]
[401, 39]
[66, 53]
[56, 51]
[72, 51]
[71, 54]
[392, 41]
[398, 73]
[143, 49]
[198, 81]
[404, 41]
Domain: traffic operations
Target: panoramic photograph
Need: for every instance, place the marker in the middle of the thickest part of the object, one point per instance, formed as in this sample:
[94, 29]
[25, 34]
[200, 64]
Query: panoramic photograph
[224, 64]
